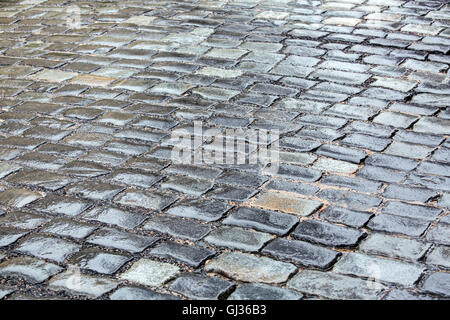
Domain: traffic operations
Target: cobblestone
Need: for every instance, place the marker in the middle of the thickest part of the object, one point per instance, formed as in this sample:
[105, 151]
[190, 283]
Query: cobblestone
[355, 94]
[250, 268]
[200, 287]
[379, 268]
[335, 286]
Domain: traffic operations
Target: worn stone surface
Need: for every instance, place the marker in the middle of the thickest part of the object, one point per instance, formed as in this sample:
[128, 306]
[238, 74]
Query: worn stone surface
[253, 291]
[238, 238]
[379, 268]
[135, 293]
[250, 268]
[335, 286]
[200, 287]
[76, 283]
[287, 203]
[304, 253]
[150, 273]
[30, 269]
[147, 131]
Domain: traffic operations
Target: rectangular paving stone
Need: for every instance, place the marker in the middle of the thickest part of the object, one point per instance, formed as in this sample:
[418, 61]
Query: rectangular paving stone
[358, 201]
[8, 236]
[408, 193]
[300, 252]
[22, 220]
[258, 291]
[21, 143]
[192, 255]
[112, 238]
[99, 261]
[238, 238]
[352, 218]
[297, 173]
[411, 210]
[332, 165]
[8, 168]
[408, 150]
[31, 269]
[81, 284]
[61, 205]
[267, 221]
[94, 190]
[136, 293]
[116, 216]
[231, 193]
[47, 247]
[380, 269]
[439, 234]
[286, 203]
[150, 273]
[148, 200]
[344, 77]
[69, 228]
[397, 224]
[191, 186]
[342, 153]
[207, 210]
[438, 283]
[335, 286]
[177, 227]
[4, 291]
[134, 177]
[394, 247]
[18, 198]
[439, 257]
[327, 234]
[200, 287]
[432, 125]
[391, 162]
[250, 268]
[357, 184]
[381, 174]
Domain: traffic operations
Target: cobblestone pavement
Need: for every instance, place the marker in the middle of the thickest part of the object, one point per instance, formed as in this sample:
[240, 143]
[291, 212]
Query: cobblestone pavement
[92, 206]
